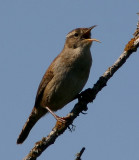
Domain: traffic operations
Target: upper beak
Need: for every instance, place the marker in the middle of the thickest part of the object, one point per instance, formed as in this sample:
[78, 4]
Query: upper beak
[88, 33]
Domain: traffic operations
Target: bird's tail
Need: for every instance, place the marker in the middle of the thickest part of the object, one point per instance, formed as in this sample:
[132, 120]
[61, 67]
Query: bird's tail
[35, 115]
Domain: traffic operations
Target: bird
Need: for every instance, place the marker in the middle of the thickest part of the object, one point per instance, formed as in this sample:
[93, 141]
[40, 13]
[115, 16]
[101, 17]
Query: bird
[64, 79]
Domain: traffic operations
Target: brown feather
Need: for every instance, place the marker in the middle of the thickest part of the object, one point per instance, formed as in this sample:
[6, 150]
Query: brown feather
[35, 115]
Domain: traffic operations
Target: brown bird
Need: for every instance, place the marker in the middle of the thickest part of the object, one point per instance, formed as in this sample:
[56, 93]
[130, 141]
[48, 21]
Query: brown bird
[64, 79]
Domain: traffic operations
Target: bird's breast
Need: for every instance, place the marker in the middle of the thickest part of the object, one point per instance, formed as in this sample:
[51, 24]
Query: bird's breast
[70, 76]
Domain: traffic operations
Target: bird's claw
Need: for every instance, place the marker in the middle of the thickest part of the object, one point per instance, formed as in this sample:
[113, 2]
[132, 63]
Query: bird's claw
[83, 112]
[72, 128]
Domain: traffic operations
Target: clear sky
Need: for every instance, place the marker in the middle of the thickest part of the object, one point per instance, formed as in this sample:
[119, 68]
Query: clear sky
[32, 33]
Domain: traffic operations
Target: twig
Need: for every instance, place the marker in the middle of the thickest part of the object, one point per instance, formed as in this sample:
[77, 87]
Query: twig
[80, 154]
[87, 96]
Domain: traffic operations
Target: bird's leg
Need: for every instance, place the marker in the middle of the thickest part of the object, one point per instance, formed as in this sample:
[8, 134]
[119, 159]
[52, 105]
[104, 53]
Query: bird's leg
[59, 119]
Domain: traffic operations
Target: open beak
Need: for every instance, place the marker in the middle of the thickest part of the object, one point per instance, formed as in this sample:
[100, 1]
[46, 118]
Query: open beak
[87, 35]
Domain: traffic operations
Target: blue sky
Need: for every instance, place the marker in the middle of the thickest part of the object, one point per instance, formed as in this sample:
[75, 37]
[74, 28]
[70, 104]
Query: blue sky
[32, 33]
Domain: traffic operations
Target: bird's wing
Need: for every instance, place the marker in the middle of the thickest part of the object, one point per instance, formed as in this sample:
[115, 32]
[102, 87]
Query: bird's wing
[49, 74]
[45, 80]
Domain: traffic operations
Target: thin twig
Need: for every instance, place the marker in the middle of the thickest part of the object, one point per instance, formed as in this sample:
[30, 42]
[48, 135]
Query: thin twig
[87, 96]
[78, 155]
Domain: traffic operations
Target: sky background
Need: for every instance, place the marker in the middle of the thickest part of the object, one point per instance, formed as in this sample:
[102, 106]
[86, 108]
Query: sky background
[32, 33]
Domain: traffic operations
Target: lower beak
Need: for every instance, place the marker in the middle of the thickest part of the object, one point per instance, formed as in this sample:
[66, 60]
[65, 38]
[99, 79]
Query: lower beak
[91, 40]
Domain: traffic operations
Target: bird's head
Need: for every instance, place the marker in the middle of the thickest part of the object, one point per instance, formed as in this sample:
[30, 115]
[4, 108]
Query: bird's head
[80, 37]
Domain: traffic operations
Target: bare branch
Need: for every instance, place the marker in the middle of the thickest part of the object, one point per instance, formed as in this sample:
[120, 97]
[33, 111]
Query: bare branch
[87, 96]
[80, 154]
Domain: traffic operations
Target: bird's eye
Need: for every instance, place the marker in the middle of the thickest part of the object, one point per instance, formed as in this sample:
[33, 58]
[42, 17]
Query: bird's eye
[76, 34]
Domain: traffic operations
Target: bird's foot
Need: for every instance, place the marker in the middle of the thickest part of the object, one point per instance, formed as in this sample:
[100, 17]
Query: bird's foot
[61, 121]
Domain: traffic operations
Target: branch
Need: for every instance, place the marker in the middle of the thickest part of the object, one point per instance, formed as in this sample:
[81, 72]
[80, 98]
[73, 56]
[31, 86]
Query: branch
[80, 154]
[87, 96]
